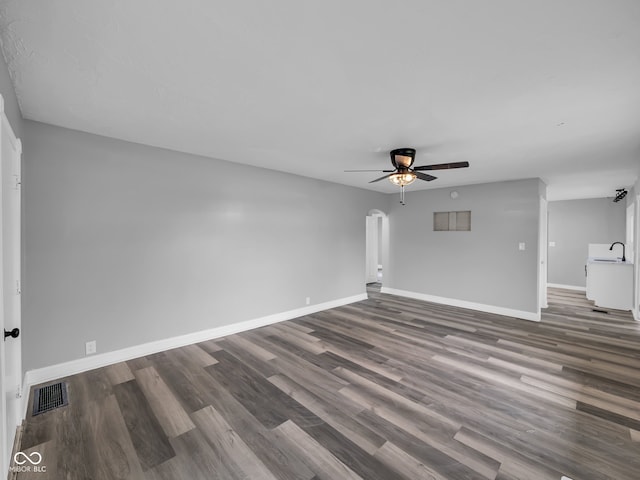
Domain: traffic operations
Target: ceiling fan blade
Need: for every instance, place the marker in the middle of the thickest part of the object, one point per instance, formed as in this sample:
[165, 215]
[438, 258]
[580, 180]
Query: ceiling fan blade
[369, 171]
[443, 166]
[424, 176]
[381, 178]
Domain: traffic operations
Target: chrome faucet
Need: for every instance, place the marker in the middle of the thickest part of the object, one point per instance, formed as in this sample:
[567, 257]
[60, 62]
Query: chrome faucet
[611, 248]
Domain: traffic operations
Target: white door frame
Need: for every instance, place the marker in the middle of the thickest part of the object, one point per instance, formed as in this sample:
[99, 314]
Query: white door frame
[636, 255]
[10, 288]
[543, 244]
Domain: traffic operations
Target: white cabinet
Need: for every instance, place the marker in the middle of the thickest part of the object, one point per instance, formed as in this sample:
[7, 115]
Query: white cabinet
[610, 284]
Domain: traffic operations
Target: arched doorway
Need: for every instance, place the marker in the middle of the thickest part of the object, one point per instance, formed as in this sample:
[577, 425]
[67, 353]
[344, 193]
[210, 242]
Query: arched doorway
[377, 246]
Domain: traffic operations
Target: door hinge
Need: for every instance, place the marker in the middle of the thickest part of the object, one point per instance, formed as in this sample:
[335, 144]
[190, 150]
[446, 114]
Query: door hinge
[18, 182]
[18, 289]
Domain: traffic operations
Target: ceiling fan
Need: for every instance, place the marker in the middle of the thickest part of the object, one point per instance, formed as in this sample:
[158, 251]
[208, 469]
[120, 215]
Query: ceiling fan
[404, 173]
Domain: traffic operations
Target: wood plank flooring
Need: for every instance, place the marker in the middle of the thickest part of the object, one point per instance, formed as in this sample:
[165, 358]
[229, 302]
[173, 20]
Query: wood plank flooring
[387, 388]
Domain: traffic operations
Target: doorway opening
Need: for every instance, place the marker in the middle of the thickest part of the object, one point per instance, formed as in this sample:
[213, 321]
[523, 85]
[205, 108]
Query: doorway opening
[377, 247]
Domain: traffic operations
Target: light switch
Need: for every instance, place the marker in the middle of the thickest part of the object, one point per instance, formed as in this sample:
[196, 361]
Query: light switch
[552, 244]
[521, 246]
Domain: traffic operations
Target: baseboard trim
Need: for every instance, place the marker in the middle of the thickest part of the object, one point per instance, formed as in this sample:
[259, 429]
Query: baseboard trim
[453, 302]
[61, 370]
[567, 287]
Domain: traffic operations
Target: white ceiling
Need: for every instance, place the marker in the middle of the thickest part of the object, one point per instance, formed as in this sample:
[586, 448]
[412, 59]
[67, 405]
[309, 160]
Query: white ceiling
[520, 89]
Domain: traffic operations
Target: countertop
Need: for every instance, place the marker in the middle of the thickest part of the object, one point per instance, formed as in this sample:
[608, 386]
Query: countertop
[607, 261]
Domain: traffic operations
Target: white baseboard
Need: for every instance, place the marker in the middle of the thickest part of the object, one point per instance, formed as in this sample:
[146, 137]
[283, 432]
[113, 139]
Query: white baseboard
[567, 287]
[531, 316]
[61, 370]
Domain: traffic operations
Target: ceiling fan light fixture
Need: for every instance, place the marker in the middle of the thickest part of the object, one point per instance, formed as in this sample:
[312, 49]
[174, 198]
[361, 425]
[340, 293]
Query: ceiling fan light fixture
[403, 178]
[404, 173]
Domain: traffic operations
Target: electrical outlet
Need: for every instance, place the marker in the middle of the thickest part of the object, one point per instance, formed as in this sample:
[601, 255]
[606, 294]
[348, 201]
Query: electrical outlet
[552, 244]
[90, 347]
[308, 300]
[521, 246]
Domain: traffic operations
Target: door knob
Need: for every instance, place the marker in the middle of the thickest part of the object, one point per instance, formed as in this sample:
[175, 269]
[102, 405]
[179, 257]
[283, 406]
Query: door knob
[13, 333]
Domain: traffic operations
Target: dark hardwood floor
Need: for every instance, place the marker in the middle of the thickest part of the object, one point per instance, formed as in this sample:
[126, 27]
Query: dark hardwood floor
[382, 389]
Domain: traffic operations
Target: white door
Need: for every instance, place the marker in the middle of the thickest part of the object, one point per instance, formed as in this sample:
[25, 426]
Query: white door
[10, 311]
[372, 249]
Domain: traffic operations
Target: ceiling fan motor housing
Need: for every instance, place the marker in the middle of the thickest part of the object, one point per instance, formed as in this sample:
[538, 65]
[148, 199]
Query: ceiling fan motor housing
[402, 158]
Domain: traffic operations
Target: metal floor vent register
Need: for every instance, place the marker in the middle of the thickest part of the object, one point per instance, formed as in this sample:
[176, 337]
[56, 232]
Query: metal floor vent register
[49, 397]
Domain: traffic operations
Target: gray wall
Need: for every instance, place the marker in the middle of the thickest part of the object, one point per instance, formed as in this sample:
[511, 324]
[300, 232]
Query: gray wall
[573, 224]
[127, 244]
[483, 265]
[11, 108]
